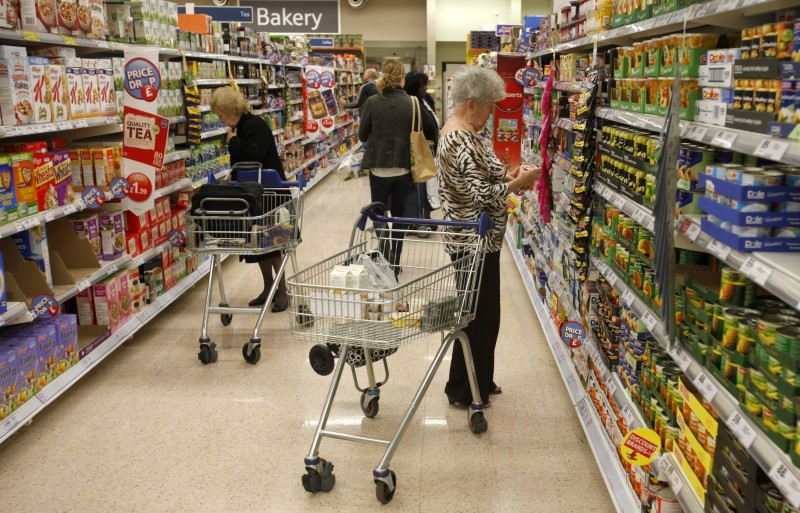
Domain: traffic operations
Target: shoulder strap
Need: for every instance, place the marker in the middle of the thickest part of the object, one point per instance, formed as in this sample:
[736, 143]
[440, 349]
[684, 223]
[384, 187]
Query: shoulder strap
[416, 115]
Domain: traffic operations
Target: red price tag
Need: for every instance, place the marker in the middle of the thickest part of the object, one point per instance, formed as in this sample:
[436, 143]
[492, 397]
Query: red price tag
[141, 187]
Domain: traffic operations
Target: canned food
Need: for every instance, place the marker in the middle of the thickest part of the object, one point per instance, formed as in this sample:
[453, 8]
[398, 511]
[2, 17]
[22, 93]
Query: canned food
[718, 322]
[735, 288]
[789, 207]
[772, 177]
[740, 377]
[752, 404]
[792, 178]
[748, 331]
[730, 369]
[768, 326]
[786, 430]
[787, 340]
[750, 231]
[769, 419]
[746, 206]
[734, 318]
[775, 367]
[758, 379]
[772, 391]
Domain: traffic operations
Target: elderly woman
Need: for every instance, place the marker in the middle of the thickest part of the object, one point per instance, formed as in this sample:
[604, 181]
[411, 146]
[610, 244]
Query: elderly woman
[473, 180]
[251, 140]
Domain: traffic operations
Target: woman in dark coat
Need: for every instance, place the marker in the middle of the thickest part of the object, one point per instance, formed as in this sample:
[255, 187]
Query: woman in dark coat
[251, 140]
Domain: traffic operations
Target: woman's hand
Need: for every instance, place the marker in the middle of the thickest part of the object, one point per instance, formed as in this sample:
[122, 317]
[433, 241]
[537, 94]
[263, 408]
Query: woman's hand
[525, 177]
[511, 174]
[231, 134]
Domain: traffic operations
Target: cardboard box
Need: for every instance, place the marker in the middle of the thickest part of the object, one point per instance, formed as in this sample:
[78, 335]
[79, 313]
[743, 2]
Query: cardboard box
[76, 167]
[98, 28]
[27, 367]
[133, 244]
[39, 15]
[91, 88]
[59, 97]
[112, 235]
[145, 240]
[9, 398]
[106, 303]
[87, 227]
[41, 91]
[125, 303]
[85, 302]
[66, 328]
[32, 245]
[87, 163]
[135, 222]
[197, 23]
[75, 92]
[45, 180]
[718, 94]
[104, 167]
[710, 111]
[105, 83]
[16, 101]
[13, 52]
[3, 292]
[62, 169]
[27, 203]
[8, 192]
[55, 52]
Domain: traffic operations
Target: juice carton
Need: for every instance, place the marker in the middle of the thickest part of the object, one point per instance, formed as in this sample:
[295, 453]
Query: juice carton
[8, 192]
[27, 202]
[9, 397]
[59, 97]
[104, 167]
[32, 245]
[44, 178]
[105, 84]
[85, 302]
[16, 102]
[106, 303]
[91, 92]
[40, 83]
[62, 170]
[112, 235]
[75, 92]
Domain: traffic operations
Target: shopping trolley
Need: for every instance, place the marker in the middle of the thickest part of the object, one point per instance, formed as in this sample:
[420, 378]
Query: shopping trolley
[437, 293]
[241, 225]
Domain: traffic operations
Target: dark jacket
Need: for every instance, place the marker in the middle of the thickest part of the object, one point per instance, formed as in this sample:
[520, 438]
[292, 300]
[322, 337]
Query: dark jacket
[254, 142]
[368, 89]
[386, 128]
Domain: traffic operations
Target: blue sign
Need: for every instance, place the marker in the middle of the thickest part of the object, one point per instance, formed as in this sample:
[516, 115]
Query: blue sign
[44, 306]
[119, 187]
[328, 79]
[234, 14]
[530, 77]
[505, 29]
[142, 79]
[573, 334]
[313, 80]
[531, 23]
[176, 238]
[94, 197]
[326, 42]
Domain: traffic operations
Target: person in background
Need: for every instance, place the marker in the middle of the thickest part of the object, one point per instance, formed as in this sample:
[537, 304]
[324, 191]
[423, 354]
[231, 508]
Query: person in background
[416, 84]
[473, 180]
[368, 88]
[386, 130]
[251, 140]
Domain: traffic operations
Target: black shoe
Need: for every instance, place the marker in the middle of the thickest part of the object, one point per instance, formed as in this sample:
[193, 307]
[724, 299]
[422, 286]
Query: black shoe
[259, 301]
[281, 305]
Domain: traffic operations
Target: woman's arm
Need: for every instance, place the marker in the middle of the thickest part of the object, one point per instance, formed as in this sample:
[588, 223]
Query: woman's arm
[251, 144]
[366, 121]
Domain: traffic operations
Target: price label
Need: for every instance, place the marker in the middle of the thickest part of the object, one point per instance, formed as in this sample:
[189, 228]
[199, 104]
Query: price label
[83, 285]
[690, 230]
[30, 223]
[702, 11]
[583, 409]
[618, 201]
[611, 388]
[64, 125]
[10, 423]
[26, 130]
[772, 149]
[706, 387]
[628, 416]
[102, 44]
[30, 36]
[18, 226]
[742, 429]
[601, 189]
[611, 278]
[696, 132]
[629, 297]
[674, 478]
[70, 209]
[724, 139]
[49, 216]
[652, 224]
[111, 269]
[638, 215]
[70, 41]
[719, 249]
[138, 262]
[756, 271]
[81, 123]
[650, 321]
[682, 358]
[10, 131]
[787, 482]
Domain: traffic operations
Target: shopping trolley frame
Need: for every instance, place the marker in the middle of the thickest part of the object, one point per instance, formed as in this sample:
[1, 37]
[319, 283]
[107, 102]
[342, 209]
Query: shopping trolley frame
[465, 275]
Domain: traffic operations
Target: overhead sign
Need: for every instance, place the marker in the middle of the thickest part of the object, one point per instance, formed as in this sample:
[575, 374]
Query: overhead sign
[321, 42]
[506, 29]
[294, 16]
[641, 446]
[231, 14]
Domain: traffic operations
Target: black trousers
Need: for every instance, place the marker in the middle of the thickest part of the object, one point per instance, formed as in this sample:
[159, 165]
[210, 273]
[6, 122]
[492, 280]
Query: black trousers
[482, 333]
[393, 192]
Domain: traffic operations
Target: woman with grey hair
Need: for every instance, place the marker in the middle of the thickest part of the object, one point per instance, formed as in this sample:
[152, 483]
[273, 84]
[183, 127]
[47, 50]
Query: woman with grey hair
[473, 180]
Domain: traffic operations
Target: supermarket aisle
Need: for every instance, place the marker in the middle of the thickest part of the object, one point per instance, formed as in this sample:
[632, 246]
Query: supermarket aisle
[151, 429]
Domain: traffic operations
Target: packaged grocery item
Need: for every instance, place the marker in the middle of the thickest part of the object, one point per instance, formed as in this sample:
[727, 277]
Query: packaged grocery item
[106, 303]
[45, 180]
[87, 227]
[91, 93]
[104, 167]
[8, 192]
[9, 398]
[76, 168]
[85, 302]
[135, 222]
[125, 303]
[62, 171]
[66, 327]
[27, 367]
[55, 52]
[112, 235]
[75, 92]
[68, 18]
[59, 98]
[16, 102]
[41, 93]
[39, 15]
[105, 83]
[32, 245]
[87, 164]
[3, 304]
[9, 14]
[98, 20]
[27, 202]
[84, 16]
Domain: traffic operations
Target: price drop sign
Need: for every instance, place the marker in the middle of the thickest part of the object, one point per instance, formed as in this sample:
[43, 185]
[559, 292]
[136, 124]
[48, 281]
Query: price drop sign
[93, 197]
[44, 306]
[641, 446]
[573, 334]
[144, 132]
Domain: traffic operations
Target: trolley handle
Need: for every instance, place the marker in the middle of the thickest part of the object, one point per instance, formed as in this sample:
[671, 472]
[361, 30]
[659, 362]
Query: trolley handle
[483, 224]
[240, 166]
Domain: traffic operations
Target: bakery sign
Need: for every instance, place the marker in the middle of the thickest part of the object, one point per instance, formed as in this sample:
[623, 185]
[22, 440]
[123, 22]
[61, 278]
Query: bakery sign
[294, 16]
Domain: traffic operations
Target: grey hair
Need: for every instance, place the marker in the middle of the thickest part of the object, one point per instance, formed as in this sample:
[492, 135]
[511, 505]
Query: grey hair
[478, 84]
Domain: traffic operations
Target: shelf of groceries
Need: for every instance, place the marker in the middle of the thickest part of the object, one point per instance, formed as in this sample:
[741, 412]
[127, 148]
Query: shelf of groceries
[89, 360]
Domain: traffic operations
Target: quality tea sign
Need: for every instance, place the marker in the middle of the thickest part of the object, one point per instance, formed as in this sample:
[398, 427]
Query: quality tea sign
[144, 137]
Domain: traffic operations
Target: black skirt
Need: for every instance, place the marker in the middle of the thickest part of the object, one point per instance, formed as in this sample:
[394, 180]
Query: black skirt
[253, 259]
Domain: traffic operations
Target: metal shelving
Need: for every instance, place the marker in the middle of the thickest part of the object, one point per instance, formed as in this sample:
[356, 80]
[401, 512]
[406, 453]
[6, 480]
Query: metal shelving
[214, 133]
[59, 126]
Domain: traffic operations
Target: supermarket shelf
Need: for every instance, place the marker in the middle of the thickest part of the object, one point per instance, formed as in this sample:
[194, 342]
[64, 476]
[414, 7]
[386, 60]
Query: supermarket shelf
[622, 495]
[177, 119]
[726, 12]
[58, 386]
[337, 49]
[15, 311]
[291, 65]
[764, 451]
[277, 131]
[52, 39]
[205, 108]
[295, 118]
[564, 123]
[533, 121]
[214, 133]
[275, 86]
[573, 87]
[276, 109]
[672, 473]
[16, 131]
[344, 124]
[640, 214]
[292, 140]
[739, 140]
[176, 155]
[173, 187]
[226, 81]
[320, 176]
[778, 273]
[254, 102]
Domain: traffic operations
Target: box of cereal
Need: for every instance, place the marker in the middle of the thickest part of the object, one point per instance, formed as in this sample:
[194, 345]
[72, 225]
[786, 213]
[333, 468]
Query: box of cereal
[16, 102]
[27, 203]
[42, 94]
[45, 180]
[8, 191]
[39, 15]
[62, 169]
[59, 98]
[91, 93]
[105, 83]
[75, 93]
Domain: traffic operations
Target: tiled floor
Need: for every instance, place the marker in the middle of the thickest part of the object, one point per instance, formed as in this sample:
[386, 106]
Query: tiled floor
[151, 429]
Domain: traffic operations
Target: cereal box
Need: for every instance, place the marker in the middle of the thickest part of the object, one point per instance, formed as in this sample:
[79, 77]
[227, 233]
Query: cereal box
[66, 327]
[27, 203]
[8, 192]
[9, 14]
[76, 168]
[9, 397]
[27, 367]
[105, 83]
[84, 16]
[85, 302]
[125, 306]
[59, 97]
[44, 178]
[112, 235]
[62, 169]
[75, 93]
[88, 227]
[16, 103]
[39, 15]
[91, 93]
[55, 52]
[87, 163]
[106, 303]
[42, 95]
[68, 18]
[104, 166]
[32, 245]
[97, 29]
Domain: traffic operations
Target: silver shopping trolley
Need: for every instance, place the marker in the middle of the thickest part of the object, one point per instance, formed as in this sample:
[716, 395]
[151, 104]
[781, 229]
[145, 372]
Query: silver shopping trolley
[244, 218]
[365, 322]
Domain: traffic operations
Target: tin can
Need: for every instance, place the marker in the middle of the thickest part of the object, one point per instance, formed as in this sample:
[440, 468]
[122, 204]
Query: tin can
[758, 379]
[769, 325]
[740, 377]
[773, 177]
[748, 331]
[752, 404]
[789, 206]
[769, 419]
[734, 318]
[666, 502]
[750, 231]
[733, 287]
[792, 178]
[718, 322]
[772, 391]
[787, 340]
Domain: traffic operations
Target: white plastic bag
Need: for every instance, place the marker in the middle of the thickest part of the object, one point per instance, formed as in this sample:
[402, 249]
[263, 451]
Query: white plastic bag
[432, 188]
[381, 275]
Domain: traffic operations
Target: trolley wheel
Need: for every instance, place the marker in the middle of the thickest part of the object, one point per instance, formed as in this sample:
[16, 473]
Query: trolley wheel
[478, 423]
[304, 317]
[382, 491]
[225, 318]
[424, 232]
[314, 481]
[371, 409]
[254, 356]
[208, 353]
[321, 359]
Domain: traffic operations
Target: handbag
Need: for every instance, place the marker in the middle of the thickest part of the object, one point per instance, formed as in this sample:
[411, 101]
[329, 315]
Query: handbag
[423, 167]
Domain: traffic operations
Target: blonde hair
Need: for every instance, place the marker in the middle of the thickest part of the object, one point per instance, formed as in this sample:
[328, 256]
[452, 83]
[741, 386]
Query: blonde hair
[392, 74]
[230, 102]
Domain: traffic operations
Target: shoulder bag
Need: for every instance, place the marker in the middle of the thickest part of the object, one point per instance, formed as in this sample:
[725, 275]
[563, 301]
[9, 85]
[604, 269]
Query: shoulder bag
[423, 167]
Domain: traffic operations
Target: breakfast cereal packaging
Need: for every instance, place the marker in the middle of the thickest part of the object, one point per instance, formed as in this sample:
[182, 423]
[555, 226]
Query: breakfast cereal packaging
[45, 180]
[9, 14]
[84, 16]
[105, 84]
[55, 53]
[88, 227]
[106, 303]
[42, 94]
[68, 18]
[104, 167]
[76, 168]
[62, 171]
[27, 202]
[66, 327]
[125, 306]
[75, 93]
[39, 15]
[87, 163]
[32, 245]
[9, 398]
[91, 94]
[112, 235]
[97, 30]
[85, 302]
[27, 367]
[59, 97]
[8, 193]
[16, 103]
